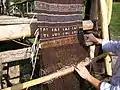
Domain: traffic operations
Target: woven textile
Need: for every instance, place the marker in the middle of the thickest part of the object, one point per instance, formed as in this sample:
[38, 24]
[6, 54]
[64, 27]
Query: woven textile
[59, 22]
[58, 18]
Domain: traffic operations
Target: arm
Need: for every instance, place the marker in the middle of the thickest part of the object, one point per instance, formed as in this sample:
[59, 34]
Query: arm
[102, 85]
[83, 72]
[108, 46]
[95, 82]
[107, 86]
[111, 46]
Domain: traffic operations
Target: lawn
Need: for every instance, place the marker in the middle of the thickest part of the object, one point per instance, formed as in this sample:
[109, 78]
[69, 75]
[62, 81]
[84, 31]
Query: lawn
[115, 21]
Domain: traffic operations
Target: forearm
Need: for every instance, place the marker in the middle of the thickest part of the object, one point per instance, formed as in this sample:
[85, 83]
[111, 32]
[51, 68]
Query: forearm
[102, 85]
[95, 82]
[109, 46]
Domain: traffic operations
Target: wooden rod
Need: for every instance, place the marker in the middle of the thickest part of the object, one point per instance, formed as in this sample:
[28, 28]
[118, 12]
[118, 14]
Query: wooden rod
[10, 32]
[105, 32]
[87, 25]
[52, 76]
[94, 18]
[15, 55]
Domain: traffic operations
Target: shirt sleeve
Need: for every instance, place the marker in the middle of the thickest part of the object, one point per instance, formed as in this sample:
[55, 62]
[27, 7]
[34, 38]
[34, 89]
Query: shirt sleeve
[107, 86]
[111, 46]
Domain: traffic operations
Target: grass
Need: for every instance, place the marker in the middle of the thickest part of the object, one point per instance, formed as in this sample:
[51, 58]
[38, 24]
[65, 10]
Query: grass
[115, 21]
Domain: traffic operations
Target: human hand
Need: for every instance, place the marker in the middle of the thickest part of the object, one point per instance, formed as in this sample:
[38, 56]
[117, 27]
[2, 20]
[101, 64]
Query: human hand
[92, 38]
[82, 71]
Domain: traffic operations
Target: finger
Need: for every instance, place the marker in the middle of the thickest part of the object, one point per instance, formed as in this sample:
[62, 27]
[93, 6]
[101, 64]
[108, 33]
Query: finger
[86, 37]
[77, 70]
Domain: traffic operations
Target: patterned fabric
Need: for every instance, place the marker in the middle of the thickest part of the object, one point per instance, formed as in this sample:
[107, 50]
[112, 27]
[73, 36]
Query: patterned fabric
[59, 22]
[59, 18]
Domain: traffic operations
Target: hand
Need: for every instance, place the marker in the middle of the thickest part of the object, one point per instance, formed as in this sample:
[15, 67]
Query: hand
[82, 71]
[92, 38]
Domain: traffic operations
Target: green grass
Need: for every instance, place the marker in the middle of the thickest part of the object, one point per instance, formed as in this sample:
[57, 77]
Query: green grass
[115, 21]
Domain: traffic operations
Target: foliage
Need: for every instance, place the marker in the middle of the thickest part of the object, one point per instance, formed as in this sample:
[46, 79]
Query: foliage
[115, 21]
[19, 0]
[16, 0]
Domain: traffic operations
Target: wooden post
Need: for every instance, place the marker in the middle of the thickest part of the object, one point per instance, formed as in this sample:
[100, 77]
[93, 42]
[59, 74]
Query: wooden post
[94, 10]
[52, 76]
[105, 33]
[94, 18]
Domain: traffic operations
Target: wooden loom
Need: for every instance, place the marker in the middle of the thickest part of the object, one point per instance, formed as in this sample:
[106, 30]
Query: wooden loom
[59, 22]
[59, 42]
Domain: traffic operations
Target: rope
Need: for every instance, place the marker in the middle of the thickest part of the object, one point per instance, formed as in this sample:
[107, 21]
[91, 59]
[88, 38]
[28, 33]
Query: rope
[21, 43]
[34, 54]
[35, 50]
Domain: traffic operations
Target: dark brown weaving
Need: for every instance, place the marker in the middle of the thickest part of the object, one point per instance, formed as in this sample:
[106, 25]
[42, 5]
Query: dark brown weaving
[59, 22]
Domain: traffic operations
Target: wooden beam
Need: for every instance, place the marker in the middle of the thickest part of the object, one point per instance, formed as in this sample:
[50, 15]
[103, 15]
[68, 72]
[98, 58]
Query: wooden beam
[9, 32]
[105, 33]
[15, 55]
[52, 76]
[87, 25]
[9, 20]
[94, 18]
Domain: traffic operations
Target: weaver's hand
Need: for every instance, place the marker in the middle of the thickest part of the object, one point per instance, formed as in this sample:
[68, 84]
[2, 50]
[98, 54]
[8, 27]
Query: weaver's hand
[92, 38]
[82, 71]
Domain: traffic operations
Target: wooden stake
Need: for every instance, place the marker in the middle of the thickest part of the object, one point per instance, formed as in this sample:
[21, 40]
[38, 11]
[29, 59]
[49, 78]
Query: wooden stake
[105, 33]
[52, 76]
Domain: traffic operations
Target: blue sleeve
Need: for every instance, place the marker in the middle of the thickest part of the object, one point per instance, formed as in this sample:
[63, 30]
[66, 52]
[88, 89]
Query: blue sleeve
[107, 86]
[111, 46]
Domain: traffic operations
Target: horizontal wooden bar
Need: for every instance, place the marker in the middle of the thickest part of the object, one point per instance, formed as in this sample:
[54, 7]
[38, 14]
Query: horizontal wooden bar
[87, 25]
[15, 31]
[10, 20]
[15, 55]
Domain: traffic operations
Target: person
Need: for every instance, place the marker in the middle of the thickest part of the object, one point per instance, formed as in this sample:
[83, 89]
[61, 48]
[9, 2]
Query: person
[108, 46]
